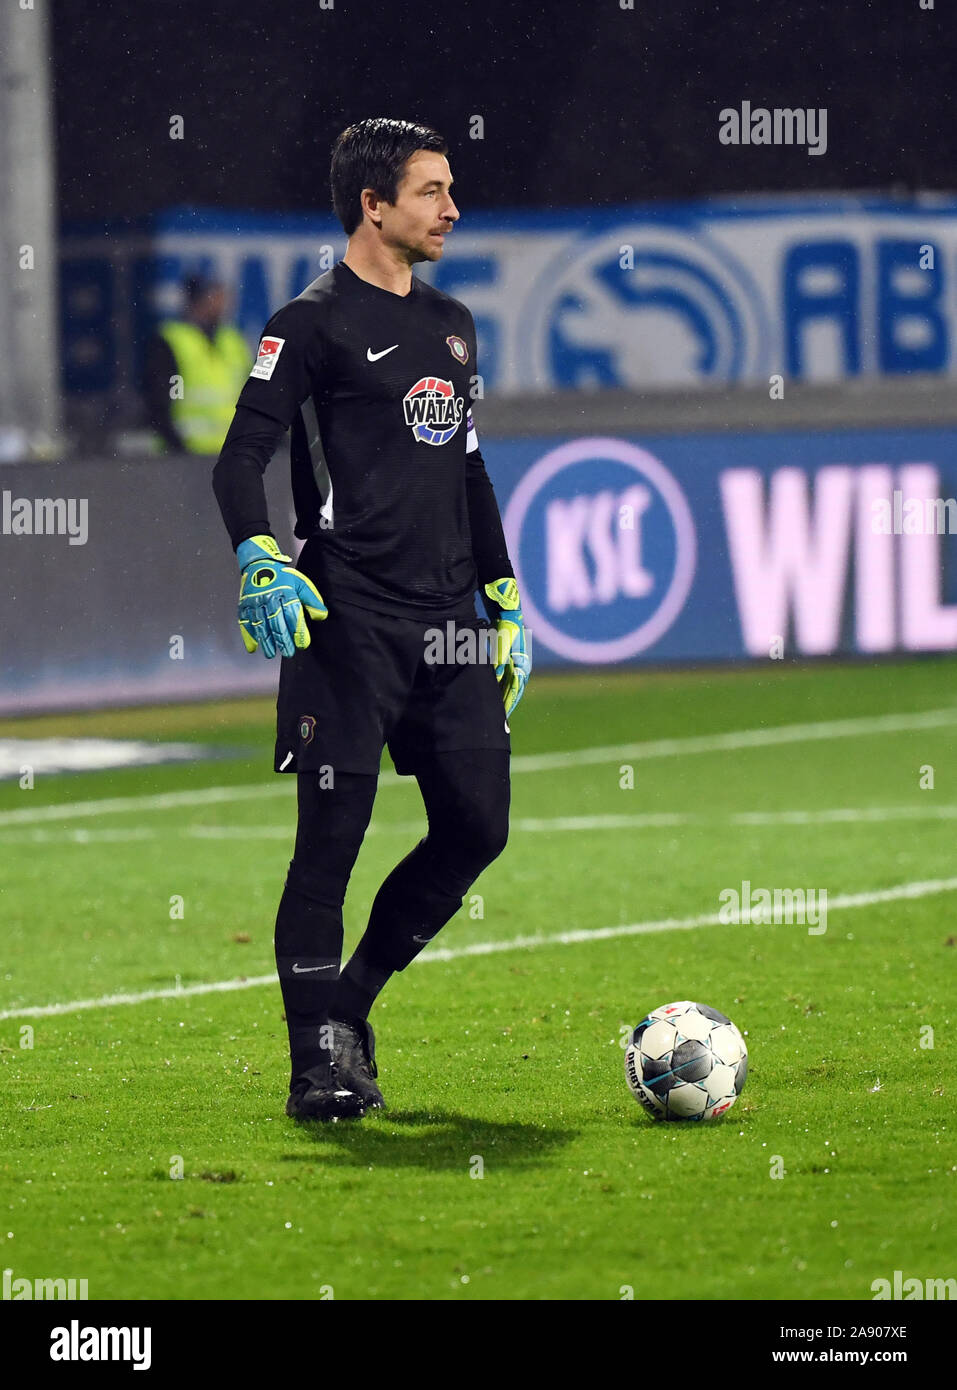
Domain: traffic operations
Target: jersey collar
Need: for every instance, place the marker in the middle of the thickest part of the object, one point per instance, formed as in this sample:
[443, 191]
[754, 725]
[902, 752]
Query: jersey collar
[348, 276]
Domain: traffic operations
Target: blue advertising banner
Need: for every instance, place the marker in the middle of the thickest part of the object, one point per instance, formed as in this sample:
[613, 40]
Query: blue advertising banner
[650, 549]
[713, 292]
[705, 547]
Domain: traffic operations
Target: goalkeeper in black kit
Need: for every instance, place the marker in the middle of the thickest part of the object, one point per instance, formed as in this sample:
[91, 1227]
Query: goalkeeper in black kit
[370, 368]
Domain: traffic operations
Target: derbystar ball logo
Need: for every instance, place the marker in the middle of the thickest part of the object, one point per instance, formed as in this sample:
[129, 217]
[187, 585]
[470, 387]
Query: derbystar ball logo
[433, 410]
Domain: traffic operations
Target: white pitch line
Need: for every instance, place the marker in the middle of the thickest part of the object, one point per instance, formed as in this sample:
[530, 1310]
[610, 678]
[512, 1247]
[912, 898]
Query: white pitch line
[917, 889]
[740, 739]
[107, 1001]
[668, 820]
[80, 836]
[150, 801]
[664, 820]
[736, 740]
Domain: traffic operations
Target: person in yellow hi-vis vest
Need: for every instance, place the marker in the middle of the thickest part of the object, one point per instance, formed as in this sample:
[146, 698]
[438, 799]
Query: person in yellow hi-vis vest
[196, 366]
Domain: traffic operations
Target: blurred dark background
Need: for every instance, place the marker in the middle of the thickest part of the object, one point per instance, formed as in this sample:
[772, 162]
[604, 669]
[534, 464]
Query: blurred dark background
[583, 103]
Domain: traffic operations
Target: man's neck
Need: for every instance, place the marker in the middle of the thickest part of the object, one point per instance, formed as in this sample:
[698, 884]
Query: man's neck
[378, 267]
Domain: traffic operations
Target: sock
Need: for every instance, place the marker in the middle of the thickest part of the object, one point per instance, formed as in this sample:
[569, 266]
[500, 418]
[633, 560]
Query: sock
[332, 823]
[308, 953]
[359, 985]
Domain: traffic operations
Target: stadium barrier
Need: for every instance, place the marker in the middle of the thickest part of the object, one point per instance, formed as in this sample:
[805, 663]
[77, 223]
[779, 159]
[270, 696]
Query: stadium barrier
[708, 527]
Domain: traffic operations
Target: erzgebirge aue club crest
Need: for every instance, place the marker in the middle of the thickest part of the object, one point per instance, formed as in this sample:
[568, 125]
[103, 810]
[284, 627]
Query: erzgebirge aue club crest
[458, 348]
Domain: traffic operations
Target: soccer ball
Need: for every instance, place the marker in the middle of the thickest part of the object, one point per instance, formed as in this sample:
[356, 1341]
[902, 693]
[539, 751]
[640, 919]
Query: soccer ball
[686, 1061]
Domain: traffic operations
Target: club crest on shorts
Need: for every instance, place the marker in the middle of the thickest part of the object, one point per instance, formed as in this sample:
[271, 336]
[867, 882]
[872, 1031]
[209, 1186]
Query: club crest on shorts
[458, 348]
[307, 728]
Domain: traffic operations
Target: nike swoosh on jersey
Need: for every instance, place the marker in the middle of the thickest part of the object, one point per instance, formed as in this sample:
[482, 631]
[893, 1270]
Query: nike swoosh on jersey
[374, 356]
[298, 969]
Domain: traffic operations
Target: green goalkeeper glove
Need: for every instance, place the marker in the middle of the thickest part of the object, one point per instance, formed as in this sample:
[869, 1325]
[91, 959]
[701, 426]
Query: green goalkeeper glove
[274, 599]
[513, 663]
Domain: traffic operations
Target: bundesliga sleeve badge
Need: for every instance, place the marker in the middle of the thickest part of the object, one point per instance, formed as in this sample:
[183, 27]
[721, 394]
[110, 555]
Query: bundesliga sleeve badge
[267, 357]
[457, 348]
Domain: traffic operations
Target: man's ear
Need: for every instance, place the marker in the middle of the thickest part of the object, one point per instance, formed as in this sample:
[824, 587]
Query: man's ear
[370, 204]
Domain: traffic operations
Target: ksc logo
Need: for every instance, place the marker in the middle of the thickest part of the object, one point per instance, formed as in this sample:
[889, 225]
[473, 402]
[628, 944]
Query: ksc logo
[433, 410]
[604, 548]
[643, 306]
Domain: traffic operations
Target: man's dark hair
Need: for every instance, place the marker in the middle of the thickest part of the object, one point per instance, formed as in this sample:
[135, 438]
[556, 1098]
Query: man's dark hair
[371, 154]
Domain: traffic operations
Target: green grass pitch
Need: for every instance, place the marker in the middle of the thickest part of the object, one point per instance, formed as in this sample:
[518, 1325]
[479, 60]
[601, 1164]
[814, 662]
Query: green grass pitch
[512, 1163]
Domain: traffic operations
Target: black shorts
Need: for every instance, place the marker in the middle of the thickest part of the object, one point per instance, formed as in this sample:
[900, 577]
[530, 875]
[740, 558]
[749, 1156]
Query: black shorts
[368, 679]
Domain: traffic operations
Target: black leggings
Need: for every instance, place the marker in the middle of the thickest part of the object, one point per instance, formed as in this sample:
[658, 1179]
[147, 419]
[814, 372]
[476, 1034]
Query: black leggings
[466, 795]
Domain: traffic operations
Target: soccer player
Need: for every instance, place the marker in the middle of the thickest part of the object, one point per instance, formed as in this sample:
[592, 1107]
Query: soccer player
[371, 368]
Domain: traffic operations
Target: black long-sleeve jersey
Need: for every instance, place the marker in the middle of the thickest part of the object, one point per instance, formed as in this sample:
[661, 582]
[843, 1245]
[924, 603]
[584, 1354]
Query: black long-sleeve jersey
[387, 476]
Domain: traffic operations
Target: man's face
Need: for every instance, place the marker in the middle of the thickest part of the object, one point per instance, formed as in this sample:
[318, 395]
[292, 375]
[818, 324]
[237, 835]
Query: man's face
[423, 213]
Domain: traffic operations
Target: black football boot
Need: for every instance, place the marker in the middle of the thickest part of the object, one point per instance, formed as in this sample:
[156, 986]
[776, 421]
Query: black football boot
[322, 1094]
[353, 1056]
